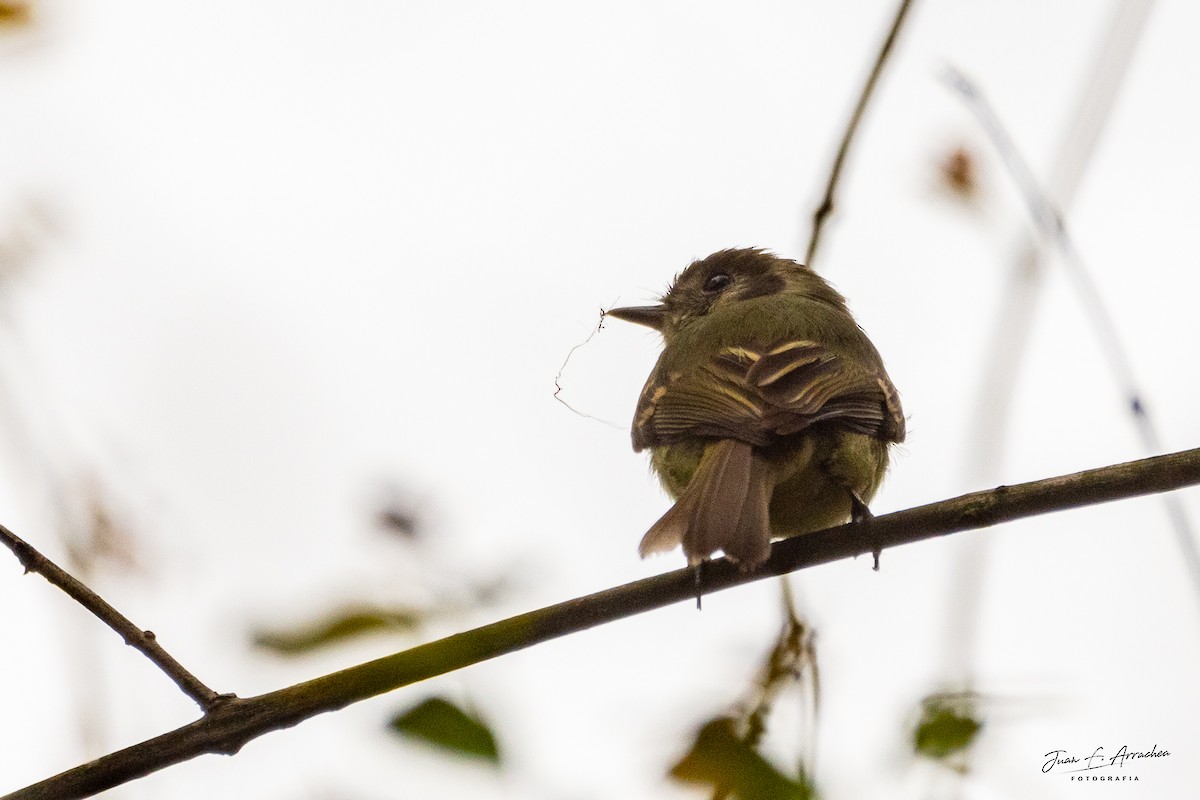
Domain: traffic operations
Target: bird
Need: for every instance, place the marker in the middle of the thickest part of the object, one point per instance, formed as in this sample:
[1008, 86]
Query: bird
[769, 413]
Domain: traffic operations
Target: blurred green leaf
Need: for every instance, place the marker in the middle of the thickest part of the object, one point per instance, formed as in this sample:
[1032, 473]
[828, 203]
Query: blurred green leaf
[342, 625]
[949, 724]
[439, 722]
[721, 760]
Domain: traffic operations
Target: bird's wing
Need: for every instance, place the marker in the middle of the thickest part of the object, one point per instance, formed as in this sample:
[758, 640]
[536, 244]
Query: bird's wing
[755, 395]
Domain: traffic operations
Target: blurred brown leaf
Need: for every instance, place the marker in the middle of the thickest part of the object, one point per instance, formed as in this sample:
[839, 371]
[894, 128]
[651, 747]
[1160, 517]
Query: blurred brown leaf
[97, 529]
[25, 227]
[959, 174]
[400, 520]
[15, 14]
[399, 511]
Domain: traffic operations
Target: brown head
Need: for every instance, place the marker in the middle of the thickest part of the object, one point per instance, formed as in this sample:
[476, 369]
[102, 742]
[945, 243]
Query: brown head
[724, 278]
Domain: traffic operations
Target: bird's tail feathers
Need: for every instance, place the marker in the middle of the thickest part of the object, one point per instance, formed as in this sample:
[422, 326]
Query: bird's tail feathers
[724, 507]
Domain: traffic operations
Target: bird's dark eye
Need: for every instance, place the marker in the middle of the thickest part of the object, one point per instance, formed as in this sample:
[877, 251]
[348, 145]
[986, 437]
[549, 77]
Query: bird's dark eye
[717, 282]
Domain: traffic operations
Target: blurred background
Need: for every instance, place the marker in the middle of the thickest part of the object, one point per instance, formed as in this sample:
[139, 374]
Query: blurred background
[286, 290]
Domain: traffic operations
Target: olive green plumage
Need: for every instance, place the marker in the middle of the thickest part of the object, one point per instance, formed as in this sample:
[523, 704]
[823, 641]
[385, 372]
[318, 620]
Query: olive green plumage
[769, 412]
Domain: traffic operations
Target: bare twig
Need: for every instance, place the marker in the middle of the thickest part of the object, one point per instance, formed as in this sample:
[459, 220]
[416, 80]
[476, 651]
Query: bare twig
[826, 206]
[792, 660]
[1110, 64]
[558, 387]
[228, 726]
[143, 641]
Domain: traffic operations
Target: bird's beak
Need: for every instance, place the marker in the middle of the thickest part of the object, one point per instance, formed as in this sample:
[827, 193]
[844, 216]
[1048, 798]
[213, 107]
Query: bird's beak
[650, 316]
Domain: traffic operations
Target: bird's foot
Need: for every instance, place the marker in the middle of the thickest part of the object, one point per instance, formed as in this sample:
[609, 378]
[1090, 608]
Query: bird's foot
[860, 513]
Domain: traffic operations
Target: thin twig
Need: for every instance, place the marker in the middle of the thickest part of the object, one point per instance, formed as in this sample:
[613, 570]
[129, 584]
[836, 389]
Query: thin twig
[143, 641]
[1050, 220]
[1112, 57]
[826, 206]
[558, 387]
[228, 726]
[811, 686]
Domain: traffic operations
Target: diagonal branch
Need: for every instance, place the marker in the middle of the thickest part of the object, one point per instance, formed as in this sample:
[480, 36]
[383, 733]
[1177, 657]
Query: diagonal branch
[141, 640]
[1050, 219]
[826, 206]
[1010, 335]
[236, 721]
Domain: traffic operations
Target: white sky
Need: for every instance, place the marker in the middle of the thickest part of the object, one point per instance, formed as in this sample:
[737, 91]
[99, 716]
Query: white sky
[304, 248]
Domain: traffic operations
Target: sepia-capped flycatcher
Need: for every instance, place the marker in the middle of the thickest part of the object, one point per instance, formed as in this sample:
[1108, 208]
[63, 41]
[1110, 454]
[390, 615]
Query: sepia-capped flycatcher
[769, 413]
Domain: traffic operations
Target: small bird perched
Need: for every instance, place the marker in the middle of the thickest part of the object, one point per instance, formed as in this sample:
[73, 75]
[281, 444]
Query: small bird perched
[769, 413]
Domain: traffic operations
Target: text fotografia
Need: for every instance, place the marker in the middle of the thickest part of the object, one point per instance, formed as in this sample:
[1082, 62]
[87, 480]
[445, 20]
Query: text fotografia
[1061, 761]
